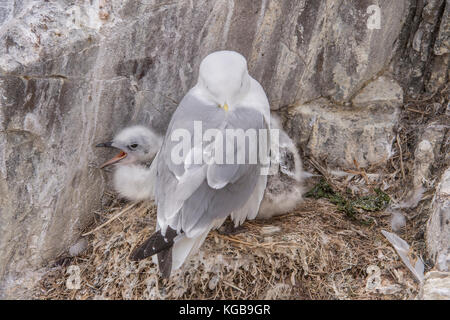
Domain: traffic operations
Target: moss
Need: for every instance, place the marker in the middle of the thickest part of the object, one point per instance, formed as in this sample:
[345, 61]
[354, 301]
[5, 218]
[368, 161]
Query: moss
[375, 202]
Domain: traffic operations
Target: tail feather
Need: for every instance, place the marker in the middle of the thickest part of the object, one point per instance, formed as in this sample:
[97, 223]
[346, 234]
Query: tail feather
[185, 247]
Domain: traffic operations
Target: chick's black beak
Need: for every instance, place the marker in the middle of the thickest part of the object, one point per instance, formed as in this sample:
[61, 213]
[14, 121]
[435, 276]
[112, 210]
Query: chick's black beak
[105, 144]
[116, 159]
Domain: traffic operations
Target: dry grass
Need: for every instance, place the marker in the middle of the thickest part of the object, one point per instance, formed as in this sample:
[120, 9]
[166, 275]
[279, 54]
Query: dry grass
[317, 253]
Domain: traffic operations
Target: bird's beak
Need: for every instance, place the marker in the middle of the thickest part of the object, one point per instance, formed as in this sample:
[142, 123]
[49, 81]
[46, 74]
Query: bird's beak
[225, 107]
[105, 144]
[117, 158]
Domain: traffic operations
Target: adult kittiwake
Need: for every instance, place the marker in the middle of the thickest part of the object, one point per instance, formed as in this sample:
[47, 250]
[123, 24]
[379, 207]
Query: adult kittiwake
[194, 194]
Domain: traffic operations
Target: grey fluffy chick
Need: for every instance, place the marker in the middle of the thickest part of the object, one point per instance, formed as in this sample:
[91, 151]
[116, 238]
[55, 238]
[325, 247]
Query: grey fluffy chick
[284, 189]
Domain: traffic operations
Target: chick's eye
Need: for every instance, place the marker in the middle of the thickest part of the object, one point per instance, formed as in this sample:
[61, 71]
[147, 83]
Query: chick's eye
[133, 146]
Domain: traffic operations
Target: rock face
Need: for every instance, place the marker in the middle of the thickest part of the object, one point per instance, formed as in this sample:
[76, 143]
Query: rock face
[72, 74]
[427, 151]
[423, 62]
[438, 227]
[361, 132]
[436, 286]
[378, 92]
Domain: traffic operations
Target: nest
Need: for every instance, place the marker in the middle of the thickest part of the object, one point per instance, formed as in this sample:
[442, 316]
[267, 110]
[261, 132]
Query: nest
[315, 252]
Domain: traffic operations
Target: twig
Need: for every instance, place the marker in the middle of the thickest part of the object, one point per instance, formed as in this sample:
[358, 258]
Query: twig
[233, 286]
[361, 172]
[324, 173]
[112, 219]
[318, 167]
[431, 96]
[268, 245]
[237, 240]
[401, 157]
[417, 111]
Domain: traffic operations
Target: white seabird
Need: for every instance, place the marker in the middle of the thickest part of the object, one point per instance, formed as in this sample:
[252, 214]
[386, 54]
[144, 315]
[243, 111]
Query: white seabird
[191, 198]
[194, 199]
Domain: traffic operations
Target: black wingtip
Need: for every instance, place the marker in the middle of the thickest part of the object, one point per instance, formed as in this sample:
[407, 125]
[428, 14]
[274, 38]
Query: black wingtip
[137, 254]
[153, 245]
[165, 263]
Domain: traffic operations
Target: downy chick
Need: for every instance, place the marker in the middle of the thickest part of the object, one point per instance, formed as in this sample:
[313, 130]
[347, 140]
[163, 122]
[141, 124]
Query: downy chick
[133, 176]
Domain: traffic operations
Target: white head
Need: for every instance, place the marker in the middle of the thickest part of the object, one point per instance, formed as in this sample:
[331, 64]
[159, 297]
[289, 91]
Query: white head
[138, 145]
[224, 77]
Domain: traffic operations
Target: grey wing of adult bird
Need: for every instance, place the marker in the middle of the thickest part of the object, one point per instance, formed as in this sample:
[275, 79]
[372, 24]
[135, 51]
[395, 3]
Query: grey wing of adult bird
[192, 198]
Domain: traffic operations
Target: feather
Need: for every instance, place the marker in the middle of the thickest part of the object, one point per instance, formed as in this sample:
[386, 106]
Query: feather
[156, 243]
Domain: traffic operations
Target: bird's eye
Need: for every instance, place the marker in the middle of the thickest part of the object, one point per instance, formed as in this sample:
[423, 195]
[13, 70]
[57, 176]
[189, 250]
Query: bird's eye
[133, 146]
